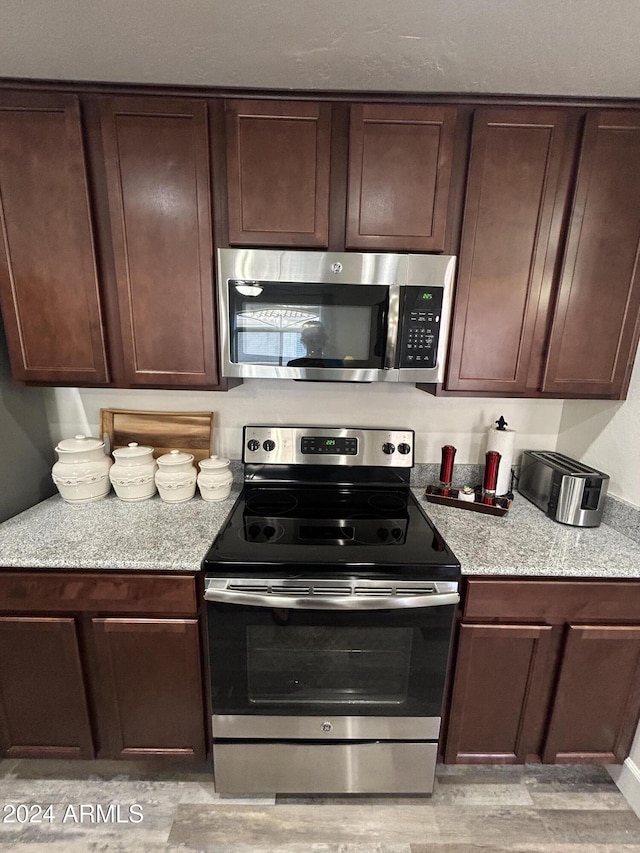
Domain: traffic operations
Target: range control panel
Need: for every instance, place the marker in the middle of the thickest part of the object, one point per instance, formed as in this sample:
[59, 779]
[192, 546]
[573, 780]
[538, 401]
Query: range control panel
[420, 326]
[279, 445]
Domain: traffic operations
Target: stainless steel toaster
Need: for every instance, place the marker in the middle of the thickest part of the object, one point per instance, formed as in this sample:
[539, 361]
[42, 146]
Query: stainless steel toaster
[563, 488]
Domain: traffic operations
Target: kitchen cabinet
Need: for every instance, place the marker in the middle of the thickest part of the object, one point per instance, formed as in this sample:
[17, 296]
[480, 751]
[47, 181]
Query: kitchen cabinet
[516, 190]
[43, 706]
[278, 155]
[149, 675]
[548, 293]
[49, 284]
[546, 671]
[400, 158]
[100, 664]
[156, 154]
[395, 175]
[595, 325]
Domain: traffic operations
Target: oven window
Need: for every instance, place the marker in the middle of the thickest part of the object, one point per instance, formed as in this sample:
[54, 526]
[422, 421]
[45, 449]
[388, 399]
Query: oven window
[324, 665]
[271, 661]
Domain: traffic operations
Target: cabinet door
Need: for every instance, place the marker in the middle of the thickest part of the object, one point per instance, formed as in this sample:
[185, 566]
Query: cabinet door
[48, 277]
[511, 225]
[278, 173]
[592, 343]
[597, 700]
[399, 174]
[156, 156]
[501, 692]
[150, 681]
[43, 708]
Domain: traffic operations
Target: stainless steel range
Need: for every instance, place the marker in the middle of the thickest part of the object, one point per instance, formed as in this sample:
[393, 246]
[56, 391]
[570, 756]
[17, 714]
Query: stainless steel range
[330, 603]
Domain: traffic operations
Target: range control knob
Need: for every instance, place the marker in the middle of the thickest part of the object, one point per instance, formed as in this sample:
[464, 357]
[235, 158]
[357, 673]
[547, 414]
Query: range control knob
[388, 448]
[404, 448]
[268, 445]
[253, 444]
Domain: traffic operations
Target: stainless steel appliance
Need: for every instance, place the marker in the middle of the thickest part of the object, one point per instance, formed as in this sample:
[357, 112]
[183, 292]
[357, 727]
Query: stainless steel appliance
[565, 489]
[330, 602]
[330, 316]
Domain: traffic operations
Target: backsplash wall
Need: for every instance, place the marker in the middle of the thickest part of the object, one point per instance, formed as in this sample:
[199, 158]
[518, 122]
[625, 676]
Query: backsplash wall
[461, 421]
[606, 435]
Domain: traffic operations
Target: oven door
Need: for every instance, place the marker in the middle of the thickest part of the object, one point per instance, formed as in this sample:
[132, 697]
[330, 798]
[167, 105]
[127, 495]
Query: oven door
[368, 655]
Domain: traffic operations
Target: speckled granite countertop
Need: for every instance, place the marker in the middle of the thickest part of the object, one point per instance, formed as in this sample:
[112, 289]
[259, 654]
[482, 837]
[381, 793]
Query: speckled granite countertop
[528, 544]
[113, 534]
[155, 536]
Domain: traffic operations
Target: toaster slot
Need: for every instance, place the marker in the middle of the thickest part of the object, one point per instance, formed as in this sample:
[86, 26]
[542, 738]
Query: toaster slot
[591, 493]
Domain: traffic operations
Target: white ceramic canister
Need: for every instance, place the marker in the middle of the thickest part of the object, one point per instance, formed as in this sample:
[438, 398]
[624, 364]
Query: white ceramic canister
[81, 473]
[133, 473]
[176, 476]
[215, 479]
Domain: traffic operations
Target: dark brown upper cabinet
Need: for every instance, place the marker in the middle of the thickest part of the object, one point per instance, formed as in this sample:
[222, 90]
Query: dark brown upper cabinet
[278, 172]
[157, 170]
[48, 278]
[593, 336]
[400, 159]
[517, 183]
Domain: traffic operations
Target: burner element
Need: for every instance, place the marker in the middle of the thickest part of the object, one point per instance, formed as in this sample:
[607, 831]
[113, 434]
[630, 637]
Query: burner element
[387, 502]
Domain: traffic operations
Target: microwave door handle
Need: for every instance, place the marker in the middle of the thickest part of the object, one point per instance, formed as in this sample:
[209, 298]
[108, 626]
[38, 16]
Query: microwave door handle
[393, 327]
[329, 602]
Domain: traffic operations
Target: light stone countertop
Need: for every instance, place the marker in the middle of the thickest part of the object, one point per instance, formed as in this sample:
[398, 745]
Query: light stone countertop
[147, 535]
[154, 536]
[525, 543]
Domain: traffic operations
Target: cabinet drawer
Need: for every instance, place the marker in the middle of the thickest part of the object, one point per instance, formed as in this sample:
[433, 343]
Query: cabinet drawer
[552, 601]
[104, 592]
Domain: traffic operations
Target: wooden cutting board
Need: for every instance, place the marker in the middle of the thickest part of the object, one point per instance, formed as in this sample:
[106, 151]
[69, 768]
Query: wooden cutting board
[191, 432]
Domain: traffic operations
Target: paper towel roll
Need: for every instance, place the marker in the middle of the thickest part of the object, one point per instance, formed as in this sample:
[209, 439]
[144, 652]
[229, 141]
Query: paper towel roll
[502, 440]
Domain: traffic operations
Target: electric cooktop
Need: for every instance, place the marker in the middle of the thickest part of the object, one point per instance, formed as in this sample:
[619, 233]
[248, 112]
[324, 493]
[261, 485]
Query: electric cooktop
[331, 518]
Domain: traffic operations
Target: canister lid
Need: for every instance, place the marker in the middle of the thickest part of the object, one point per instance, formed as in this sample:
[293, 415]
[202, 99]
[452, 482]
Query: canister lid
[174, 457]
[132, 450]
[214, 462]
[79, 443]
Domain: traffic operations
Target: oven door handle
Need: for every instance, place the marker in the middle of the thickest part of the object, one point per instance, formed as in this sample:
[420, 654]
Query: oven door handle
[329, 602]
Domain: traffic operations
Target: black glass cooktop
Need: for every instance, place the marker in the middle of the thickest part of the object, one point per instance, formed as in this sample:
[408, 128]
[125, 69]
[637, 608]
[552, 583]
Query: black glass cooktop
[336, 531]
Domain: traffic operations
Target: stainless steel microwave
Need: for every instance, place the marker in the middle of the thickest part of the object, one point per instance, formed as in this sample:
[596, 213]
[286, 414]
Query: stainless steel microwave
[329, 316]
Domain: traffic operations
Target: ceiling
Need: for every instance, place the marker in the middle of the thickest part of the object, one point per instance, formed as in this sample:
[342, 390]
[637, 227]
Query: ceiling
[559, 47]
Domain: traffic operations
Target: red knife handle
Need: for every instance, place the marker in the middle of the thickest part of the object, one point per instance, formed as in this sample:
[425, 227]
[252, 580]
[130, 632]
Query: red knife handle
[446, 466]
[491, 471]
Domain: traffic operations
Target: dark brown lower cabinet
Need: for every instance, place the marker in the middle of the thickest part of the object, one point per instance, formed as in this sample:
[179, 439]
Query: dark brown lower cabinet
[501, 684]
[594, 714]
[545, 671]
[100, 665]
[43, 707]
[149, 676]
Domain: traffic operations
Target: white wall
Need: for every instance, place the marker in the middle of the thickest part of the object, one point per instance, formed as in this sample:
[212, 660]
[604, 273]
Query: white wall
[564, 47]
[459, 421]
[607, 436]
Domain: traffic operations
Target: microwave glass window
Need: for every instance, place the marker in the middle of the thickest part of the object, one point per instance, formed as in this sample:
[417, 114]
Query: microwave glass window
[309, 325]
[285, 334]
[328, 665]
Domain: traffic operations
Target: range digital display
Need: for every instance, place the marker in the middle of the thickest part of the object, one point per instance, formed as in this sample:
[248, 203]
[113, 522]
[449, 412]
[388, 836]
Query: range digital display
[323, 444]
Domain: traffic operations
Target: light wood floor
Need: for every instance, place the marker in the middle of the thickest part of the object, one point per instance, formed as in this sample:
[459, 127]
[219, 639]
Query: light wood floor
[530, 809]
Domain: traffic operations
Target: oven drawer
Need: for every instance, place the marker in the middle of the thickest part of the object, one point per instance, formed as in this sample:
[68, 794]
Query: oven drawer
[329, 727]
[325, 768]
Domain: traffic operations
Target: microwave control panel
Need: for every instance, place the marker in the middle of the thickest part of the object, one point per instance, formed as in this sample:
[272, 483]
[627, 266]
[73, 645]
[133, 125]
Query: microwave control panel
[420, 326]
